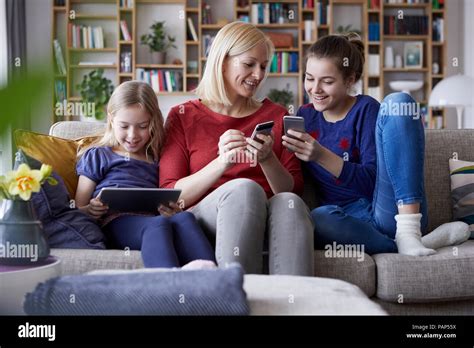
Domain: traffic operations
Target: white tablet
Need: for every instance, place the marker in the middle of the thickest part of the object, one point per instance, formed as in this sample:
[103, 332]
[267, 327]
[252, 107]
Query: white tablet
[137, 199]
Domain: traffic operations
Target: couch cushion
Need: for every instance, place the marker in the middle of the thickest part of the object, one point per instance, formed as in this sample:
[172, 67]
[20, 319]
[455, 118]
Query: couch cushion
[64, 226]
[76, 129]
[360, 272]
[79, 261]
[462, 191]
[294, 295]
[57, 152]
[172, 292]
[441, 145]
[446, 275]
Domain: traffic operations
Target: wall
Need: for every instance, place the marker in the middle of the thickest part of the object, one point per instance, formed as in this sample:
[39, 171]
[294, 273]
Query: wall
[468, 31]
[455, 49]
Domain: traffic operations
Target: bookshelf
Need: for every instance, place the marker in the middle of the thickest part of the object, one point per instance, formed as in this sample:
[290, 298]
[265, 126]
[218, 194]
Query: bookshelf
[370, 18]
[423, 22]
[304, 21]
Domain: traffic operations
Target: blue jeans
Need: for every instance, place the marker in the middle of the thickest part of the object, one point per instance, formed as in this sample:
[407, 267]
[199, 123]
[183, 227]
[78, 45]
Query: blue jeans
[400, 144]
[164, 242]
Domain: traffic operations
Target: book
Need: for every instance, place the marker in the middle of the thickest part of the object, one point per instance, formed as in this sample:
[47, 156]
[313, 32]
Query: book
[308, 30]
[192, 30]
[125, 33]
[59, 58]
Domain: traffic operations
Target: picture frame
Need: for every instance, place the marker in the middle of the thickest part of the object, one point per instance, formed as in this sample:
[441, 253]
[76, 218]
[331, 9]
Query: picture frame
[413, 54]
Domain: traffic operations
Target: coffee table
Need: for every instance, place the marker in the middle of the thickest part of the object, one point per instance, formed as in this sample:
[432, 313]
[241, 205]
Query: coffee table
[17, 281]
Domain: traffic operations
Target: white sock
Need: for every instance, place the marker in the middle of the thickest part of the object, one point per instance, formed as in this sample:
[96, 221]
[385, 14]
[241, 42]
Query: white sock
[408, 236]
[199, 264]
[451, 233]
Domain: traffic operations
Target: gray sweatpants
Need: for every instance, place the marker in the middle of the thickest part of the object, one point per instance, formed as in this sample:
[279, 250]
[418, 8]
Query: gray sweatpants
[237, 214]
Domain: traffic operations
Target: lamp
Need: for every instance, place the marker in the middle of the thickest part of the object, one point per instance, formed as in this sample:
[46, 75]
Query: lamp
[454, 91]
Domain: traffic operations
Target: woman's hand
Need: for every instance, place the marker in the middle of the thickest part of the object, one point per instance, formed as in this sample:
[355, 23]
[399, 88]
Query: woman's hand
[96, 208]
[261, 151]
[230, 144]
[173, 208]
[305, 147]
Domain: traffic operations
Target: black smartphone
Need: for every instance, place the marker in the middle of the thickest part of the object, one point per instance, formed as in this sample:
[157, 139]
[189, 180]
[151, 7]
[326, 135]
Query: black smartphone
[262, 128]
[293, 122]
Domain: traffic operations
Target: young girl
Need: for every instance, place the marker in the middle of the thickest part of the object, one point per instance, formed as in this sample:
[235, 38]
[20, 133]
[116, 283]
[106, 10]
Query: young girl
[366, 157]
[127, 156]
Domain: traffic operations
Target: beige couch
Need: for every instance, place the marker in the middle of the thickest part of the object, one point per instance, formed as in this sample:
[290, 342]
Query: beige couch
[442, 284]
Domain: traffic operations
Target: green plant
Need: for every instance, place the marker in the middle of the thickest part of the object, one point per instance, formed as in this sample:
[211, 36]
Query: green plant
[347, 29]
[157, 39]
[22, 95]
[283, 97]
[96, 89]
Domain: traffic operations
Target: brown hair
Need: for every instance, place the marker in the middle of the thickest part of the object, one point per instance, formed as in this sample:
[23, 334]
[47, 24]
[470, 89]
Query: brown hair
[129, 94]
[346, 51]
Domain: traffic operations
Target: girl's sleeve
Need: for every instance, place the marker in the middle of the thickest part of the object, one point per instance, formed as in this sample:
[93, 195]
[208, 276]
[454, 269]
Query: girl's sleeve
[360, 177]
[92, 165]
[174, 161]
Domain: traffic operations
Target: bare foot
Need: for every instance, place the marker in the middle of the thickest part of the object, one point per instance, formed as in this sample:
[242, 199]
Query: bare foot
[199, 264]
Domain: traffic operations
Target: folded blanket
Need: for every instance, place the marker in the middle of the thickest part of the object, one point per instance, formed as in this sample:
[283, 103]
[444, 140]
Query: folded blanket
[175, 292]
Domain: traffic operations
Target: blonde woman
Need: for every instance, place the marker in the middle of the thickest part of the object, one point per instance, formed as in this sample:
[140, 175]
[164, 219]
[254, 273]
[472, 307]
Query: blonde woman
[237, 187]
[127, 156]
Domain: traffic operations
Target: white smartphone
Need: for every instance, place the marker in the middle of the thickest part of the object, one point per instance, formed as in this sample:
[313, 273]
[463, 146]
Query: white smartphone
[262, 128]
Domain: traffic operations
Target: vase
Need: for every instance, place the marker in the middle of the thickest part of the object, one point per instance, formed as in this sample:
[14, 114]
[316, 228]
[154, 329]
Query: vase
[389, 59]
[22, 240]
[158, 57]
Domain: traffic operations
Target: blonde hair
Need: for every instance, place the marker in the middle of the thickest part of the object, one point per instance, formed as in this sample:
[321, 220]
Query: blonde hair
[233, 39]
[127, 94]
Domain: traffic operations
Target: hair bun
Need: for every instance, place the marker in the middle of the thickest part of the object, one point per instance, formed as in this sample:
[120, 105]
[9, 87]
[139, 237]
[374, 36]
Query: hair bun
[356, 40]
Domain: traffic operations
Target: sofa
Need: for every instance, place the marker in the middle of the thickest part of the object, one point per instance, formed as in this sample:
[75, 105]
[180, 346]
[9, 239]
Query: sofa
[441, 284]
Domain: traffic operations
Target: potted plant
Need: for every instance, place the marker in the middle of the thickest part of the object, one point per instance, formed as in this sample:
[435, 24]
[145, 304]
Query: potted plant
[283, 97]
[96, 89]
[158, 42]
[341, 29]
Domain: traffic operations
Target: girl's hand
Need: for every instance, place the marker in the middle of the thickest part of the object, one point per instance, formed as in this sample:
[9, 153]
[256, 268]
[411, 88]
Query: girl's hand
[230, 143]
[96, 208]
[174, 208]
[260, 151]
[305, 147]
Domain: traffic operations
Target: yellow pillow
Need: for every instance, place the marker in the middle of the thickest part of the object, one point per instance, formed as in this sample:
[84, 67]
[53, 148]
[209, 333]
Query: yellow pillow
[58, 152]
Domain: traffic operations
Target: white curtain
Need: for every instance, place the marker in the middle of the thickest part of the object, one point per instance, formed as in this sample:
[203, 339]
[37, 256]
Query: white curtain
[5, 142]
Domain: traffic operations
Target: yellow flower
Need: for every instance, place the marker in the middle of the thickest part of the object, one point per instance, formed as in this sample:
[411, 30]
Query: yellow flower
[46, 170]
[24, 181]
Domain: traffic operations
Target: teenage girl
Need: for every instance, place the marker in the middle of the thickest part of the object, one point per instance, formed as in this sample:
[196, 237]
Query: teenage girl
[366, 158]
